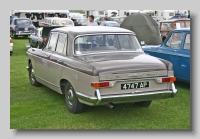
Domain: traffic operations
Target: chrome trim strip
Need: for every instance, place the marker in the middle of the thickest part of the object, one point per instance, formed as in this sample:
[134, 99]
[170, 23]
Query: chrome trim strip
[136, 79]
[167, 53]
[174, 54]
[47, 82]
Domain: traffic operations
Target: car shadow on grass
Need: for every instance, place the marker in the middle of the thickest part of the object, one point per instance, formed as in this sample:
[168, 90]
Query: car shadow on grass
[182, 85]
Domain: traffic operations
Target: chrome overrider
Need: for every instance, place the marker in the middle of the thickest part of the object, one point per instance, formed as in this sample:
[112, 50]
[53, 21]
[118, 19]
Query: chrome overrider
[144, 96]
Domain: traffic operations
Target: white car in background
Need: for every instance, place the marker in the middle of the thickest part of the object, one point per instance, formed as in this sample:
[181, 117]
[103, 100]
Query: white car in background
[11, 46]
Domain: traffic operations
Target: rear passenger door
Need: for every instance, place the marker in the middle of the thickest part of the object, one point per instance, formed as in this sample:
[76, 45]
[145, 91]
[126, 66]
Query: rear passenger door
[57, 59]
[43, 61]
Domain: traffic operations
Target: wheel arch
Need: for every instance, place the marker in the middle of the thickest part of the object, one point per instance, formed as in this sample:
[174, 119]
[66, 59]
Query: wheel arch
[62, 84]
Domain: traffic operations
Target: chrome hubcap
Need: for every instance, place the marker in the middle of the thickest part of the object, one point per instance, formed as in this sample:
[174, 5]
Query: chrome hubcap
[32, 75]
[70, 96]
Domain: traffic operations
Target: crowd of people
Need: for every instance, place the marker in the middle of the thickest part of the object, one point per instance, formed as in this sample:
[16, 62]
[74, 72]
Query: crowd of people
[91, 21]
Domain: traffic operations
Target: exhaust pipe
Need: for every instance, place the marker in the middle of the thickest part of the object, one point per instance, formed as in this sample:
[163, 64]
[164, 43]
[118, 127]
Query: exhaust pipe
[109, 106]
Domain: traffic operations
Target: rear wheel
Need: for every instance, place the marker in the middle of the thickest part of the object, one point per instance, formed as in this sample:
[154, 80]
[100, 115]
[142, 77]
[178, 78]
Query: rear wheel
[32, 78]
[72, 102]
[144, 103]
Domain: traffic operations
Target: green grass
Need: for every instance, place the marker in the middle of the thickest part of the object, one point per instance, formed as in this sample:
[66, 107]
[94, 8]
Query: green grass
[41, 108]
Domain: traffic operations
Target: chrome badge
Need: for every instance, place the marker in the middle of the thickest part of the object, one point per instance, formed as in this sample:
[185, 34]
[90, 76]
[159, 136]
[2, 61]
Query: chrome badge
[135, 74]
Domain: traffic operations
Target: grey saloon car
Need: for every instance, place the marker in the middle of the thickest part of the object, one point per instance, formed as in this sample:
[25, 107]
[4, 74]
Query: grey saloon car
[96, 65]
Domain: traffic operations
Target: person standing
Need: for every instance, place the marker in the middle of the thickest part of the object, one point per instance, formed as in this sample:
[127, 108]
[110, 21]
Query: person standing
[91, 21]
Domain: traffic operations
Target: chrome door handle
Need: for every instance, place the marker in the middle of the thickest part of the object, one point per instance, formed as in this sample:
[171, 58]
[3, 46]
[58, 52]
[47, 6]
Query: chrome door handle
[60, 60]
[174, 50]
[159, 50]
[47, 55]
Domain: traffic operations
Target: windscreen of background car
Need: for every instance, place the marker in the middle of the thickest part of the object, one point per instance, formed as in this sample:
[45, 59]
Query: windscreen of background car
[23, 21]
[113, 24]
[106, 43]
[66, 22]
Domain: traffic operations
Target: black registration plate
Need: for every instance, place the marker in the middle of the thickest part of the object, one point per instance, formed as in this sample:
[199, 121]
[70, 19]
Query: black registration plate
[134, 85]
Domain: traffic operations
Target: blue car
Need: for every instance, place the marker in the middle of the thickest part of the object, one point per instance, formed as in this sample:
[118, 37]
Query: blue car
[176, 49]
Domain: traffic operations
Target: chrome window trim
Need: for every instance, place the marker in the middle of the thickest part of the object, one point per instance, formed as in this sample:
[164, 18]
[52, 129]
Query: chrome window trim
[102, 34]
[65, 44]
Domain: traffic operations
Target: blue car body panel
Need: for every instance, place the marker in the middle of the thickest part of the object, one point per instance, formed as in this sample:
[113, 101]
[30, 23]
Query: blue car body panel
[180, 58]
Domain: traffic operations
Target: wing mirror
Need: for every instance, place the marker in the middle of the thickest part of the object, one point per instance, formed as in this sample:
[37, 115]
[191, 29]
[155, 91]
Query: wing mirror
[142, 43]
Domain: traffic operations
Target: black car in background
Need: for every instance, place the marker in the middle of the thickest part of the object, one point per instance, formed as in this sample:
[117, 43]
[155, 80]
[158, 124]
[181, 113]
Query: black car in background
[21, 27]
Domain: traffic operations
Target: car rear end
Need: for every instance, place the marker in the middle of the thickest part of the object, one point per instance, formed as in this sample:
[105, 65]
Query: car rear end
[125, 73]
[125, 85]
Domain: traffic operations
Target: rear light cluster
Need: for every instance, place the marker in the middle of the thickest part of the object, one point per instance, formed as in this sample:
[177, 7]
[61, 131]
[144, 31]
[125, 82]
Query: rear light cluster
[11, 41]
[100, 84]
[169, 79]
[166, 79]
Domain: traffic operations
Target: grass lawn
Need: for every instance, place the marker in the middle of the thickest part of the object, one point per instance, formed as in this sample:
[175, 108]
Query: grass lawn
[41, 108]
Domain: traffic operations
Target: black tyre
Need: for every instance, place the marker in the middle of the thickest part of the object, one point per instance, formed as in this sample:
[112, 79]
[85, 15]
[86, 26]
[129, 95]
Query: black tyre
[72, 102]
[144, 103]
[32, 78]
[14, 35]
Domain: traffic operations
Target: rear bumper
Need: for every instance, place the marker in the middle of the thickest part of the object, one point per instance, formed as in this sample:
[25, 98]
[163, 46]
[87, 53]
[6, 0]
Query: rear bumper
[98, 100]
[23, 33]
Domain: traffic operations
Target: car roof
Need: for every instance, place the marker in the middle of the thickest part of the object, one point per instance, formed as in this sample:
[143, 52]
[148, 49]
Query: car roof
[21, 18]
[174, 20]
[183, 29]
[62, 19]
[110, 22]
[79, 30]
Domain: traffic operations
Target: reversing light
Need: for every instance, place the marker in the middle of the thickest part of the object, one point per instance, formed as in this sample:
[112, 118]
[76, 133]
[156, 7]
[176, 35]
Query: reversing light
[169, 79]
[100, 84]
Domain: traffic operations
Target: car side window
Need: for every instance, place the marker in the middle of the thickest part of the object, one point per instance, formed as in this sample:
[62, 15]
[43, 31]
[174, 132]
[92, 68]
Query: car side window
[175, 40]
[124, 41]
[52, 42]
[62, 42]
[187, 42]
